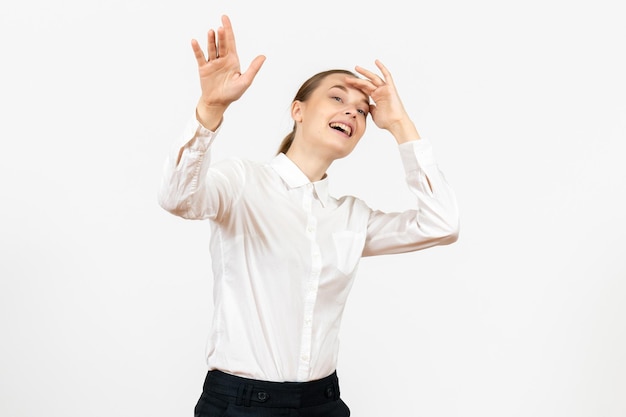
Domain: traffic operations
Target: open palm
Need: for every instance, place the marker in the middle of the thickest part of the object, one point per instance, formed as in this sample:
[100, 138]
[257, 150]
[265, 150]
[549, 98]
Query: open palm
[221, 79]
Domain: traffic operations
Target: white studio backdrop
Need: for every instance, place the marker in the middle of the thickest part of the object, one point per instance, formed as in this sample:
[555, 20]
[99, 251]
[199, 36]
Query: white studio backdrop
[105, 298]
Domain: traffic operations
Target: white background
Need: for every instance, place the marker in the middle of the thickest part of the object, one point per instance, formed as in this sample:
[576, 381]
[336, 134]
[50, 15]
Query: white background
[105, 297]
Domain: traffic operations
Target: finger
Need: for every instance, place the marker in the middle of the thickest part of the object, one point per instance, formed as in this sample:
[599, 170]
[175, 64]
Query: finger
[212, 48]
[365, 85]
[198, 52]
[221, 43]
[228, 39]
[383, 69]
[375, 79]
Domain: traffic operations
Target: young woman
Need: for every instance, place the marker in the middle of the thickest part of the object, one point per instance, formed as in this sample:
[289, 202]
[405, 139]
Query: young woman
[284, 252]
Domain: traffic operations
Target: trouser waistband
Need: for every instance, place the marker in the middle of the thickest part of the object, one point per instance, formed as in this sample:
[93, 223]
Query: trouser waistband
[252, 392]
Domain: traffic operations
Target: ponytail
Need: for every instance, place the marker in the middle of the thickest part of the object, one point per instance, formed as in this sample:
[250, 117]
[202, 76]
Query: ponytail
[287, 141]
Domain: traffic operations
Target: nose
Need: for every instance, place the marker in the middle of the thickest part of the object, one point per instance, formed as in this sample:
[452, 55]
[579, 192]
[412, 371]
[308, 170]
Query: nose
[351, 113]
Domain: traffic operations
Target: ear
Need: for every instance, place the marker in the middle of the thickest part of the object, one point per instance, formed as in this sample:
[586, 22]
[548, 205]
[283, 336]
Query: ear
[296, 111]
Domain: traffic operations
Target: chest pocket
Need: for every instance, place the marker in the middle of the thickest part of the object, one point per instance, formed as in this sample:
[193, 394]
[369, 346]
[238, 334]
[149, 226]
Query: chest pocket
[348, 248]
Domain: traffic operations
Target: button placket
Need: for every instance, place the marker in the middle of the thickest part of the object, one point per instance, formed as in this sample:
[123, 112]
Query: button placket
[310, 286]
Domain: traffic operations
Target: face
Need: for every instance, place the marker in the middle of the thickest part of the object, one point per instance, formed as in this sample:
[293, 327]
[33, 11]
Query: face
[332, 120]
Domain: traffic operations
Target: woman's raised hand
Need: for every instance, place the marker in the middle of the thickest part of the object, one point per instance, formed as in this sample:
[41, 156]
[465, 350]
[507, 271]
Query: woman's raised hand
[387, 110]
[221, 79]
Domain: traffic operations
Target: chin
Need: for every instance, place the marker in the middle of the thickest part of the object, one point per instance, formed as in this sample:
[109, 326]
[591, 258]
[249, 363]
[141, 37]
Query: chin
[340, 150]
[341, 153]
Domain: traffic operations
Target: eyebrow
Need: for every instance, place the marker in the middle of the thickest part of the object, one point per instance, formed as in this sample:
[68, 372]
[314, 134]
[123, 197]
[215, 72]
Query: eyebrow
[343, 88]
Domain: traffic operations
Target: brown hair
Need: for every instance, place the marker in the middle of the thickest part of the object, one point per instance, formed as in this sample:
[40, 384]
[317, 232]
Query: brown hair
[302, 95]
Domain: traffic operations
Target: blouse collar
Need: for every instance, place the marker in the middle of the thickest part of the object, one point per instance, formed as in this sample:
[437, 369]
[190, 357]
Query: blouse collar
[294, 177]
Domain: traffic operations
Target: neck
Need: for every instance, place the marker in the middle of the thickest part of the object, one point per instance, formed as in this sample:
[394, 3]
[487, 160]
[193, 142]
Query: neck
[313, 165]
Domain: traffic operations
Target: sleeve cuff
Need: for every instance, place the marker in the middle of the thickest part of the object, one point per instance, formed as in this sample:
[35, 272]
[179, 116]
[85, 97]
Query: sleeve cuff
[195, 136]
[416, 154]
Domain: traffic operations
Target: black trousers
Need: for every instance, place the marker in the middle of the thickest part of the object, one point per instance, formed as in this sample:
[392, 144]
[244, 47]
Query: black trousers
[225, 395]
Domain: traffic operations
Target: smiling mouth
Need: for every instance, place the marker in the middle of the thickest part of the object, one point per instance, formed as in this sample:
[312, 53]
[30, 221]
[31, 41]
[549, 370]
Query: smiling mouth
[342, 128]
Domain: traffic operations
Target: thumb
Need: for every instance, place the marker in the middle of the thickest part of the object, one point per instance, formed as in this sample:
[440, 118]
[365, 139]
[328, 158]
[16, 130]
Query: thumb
[373, 111]
[253, 69]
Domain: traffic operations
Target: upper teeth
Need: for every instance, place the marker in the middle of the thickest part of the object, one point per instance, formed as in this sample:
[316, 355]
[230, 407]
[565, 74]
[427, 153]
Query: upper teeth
[343, 127]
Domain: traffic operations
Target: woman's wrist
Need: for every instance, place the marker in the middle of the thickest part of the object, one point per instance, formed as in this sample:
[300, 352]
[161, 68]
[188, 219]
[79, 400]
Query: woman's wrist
[404, 131]
[210, 116]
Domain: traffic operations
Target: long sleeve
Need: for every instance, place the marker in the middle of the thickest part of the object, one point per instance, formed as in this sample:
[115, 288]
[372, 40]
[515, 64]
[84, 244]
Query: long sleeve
[433, 221]
[191, 187]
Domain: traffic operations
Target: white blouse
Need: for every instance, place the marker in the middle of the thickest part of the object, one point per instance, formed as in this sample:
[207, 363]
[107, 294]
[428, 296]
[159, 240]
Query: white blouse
[284, 252]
